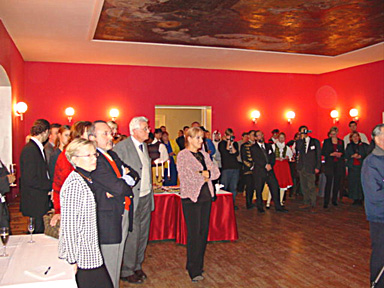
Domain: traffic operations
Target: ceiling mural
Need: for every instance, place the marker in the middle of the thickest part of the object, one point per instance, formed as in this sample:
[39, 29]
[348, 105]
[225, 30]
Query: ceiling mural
[319, 27]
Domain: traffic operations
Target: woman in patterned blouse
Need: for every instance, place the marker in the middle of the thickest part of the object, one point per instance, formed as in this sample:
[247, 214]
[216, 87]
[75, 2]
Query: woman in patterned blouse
[78, 242]
[196, 170]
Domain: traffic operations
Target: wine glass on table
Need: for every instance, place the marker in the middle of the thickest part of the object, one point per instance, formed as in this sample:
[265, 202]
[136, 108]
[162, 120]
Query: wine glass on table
[31, 228]
[12, 170]
[4, 235]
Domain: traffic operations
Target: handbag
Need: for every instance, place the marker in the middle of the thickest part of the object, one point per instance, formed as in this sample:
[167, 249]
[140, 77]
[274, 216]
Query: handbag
[52, 231]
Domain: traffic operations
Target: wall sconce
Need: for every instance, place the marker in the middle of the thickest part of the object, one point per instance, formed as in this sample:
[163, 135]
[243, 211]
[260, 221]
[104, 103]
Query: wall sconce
[290, 116]
[20, 108]
[255, 115]
[114, 113]
[354, 113]
[69, 112]
[335, 116]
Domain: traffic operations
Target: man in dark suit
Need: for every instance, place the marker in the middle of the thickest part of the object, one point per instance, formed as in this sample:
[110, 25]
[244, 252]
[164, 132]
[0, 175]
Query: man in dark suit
[34, 180]
[6, 179]
[308, 164]
[264, 160]
[49, 147]
[112, 181]
[134, 151]
[181, 140]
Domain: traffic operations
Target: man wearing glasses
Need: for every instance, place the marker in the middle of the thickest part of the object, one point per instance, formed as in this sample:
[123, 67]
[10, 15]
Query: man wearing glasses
[112, 181]
[134, 151]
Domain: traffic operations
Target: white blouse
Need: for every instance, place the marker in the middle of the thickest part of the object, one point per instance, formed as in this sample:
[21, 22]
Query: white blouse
[281, 148]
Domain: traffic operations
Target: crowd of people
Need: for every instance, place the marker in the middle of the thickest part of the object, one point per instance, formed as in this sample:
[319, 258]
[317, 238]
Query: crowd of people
[100, 184]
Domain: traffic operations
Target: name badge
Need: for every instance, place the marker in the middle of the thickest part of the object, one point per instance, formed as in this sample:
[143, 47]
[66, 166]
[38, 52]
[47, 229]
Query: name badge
[313, 147]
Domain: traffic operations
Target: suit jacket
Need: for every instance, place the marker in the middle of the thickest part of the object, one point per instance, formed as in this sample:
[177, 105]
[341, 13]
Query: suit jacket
[246, 158]
[4, 184]
[181, 142]
[34, 181]
[110, 211]
[312, 159]
[4, 188]
[127, 152]
[329, 160]
[260, 159]
[48, 149]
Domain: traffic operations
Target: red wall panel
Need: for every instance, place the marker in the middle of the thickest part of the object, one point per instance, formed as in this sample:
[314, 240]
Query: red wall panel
[360, 87]
[93, 89]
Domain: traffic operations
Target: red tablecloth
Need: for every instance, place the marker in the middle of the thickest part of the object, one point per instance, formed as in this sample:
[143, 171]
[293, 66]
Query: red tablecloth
[168, 220]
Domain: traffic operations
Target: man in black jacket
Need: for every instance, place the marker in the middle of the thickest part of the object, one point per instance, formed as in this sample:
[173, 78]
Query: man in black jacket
[308, 164]
[264, 160]
[34, 179]
[112, 181]
[181, 140]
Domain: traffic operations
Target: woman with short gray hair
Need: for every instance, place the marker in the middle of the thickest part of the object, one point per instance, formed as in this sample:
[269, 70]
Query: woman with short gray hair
[78, 242]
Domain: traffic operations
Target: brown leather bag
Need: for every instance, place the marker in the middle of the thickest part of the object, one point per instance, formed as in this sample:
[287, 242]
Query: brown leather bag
[53, 231]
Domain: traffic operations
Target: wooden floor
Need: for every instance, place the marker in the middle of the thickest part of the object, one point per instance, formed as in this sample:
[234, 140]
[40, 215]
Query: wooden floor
[297, 249]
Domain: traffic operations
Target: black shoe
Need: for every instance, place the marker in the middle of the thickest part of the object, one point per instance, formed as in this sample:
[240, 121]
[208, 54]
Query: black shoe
[236, 208]
[282, 210]
[250, 206]
[325, 206]
[334, 203]
[261, 210]
[267, 207]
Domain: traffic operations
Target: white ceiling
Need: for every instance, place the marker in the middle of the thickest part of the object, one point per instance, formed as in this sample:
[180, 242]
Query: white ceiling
[62, 31]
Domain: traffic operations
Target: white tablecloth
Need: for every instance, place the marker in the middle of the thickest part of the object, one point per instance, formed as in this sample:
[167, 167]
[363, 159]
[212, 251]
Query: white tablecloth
[27, 262]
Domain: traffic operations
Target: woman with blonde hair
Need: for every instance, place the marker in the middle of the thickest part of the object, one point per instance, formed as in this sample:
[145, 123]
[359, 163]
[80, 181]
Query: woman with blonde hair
[79, 241]
[196, 172]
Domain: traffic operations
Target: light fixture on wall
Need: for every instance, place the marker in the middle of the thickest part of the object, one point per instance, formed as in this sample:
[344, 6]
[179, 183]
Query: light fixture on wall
[114, 113]
[354, 113]
[335, 116]
[20, 109]
[290, 116]
[69, 112]
[255, 115]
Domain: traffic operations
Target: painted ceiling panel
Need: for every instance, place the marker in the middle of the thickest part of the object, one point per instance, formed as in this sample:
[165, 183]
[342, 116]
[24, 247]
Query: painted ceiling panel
[327, 27]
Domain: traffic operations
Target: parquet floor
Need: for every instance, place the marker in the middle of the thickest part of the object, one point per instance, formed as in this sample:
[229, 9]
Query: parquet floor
[293, 250]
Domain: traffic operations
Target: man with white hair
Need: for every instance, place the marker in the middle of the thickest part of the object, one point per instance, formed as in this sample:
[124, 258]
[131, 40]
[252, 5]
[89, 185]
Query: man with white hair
[134, 151]
[372, 178]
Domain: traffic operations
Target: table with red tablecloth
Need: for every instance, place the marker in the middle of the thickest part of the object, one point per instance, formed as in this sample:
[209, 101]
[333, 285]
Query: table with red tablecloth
[168, 222]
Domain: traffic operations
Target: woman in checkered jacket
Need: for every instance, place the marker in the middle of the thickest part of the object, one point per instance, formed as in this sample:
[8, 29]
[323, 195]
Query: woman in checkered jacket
[78, 243]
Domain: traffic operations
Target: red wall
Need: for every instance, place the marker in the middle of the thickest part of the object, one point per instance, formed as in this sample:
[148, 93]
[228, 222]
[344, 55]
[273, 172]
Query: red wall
[360, 87]
[13, 64]
[93, 89]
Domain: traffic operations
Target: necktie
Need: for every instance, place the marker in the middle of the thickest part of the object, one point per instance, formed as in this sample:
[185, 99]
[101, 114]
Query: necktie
[141, 147]
[264, 152]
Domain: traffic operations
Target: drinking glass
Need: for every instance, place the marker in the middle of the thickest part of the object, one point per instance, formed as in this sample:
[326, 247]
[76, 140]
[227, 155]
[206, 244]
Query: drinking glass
[31, 228]
[12, 170]
[4, 235]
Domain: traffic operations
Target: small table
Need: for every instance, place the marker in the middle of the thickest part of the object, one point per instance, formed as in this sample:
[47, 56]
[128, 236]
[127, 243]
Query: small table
[168, 219]
[26, 263]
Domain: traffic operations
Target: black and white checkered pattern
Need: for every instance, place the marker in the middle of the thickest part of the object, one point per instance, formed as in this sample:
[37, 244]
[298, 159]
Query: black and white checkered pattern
[78, 242]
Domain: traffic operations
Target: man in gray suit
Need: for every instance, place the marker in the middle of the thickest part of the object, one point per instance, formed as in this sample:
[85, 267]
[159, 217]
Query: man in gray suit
[134, 152]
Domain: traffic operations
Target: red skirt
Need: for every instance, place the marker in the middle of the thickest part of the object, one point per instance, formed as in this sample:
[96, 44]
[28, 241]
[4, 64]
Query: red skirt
[283, 173]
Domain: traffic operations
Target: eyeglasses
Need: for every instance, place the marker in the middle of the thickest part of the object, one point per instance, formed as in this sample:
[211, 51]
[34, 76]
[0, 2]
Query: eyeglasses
[95, 155]
[146, 129]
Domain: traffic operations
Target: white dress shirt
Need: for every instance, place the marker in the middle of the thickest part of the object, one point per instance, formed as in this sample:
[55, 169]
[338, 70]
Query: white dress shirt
[164, 156]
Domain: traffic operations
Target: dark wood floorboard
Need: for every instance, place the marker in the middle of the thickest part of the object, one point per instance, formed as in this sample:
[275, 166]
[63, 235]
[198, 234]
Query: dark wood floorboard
[297, 249]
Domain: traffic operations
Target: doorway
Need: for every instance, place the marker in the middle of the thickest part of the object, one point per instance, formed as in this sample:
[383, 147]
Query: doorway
[176, 117]
[5, 118]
